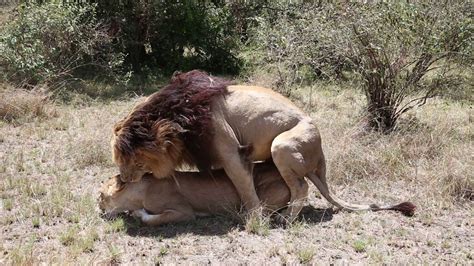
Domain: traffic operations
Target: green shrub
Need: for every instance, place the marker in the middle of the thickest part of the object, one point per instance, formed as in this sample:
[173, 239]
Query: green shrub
[55, 43]
[170, 36]
[402, 53]
[405, 53]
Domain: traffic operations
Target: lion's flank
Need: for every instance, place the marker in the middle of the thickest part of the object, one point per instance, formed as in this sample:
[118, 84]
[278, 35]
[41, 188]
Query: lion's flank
[186, 101]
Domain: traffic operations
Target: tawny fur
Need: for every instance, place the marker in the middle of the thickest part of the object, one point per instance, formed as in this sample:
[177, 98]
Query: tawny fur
[183, 107]
[189, 194]
[231, 118]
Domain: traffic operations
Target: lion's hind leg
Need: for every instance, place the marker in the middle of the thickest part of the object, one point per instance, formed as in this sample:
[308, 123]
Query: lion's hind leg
[291, 165]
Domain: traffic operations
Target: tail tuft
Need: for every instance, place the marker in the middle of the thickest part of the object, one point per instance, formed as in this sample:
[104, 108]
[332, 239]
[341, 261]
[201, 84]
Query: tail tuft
[374, 207]
[407, 208]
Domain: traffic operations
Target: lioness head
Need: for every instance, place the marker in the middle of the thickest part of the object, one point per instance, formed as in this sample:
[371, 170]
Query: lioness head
[117, 196]
[139, 149]
[109, 191]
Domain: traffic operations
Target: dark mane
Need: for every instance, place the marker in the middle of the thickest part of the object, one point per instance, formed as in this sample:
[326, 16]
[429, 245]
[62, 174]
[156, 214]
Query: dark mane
[186, 101]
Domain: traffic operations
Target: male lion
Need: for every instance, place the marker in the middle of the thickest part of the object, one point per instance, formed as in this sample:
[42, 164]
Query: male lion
[191, 194]
[202, 120]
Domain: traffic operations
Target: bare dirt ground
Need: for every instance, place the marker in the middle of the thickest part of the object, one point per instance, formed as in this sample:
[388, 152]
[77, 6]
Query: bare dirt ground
[54, 156]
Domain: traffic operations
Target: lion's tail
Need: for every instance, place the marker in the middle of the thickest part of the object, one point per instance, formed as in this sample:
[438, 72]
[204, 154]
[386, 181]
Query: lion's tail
[407, 208]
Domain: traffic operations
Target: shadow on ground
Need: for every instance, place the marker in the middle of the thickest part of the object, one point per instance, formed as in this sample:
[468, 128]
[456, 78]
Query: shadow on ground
[215, 225]
[312, 215]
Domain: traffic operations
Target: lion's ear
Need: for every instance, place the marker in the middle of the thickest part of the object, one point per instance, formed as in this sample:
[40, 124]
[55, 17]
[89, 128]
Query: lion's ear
[118, 126]
[166, 133]
[175, 75]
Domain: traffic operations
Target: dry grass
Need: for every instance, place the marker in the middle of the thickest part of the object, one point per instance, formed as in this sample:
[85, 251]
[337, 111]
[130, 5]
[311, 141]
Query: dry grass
[51, 167]
[6, 8]
[258, 224]
[431, 151]
[305, 255]
[18, 105]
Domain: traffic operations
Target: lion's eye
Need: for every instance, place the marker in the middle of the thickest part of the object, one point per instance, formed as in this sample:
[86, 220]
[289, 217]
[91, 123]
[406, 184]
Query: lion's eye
[139, 165]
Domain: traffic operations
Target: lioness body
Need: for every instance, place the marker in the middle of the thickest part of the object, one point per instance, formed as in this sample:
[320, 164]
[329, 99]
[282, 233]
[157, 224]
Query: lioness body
[188, 195]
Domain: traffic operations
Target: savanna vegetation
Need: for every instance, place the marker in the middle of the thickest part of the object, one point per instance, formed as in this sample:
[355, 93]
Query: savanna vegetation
[390, 85]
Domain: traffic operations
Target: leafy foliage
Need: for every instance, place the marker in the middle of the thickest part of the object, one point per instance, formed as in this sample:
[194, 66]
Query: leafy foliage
[394, 48]
[57, 41]
[292, 44]
[180, 35]
[52, 42]
[402, 52]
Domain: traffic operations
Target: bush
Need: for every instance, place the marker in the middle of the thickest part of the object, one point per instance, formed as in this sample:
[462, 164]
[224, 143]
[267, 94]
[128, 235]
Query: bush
[170, 36]
[55, 43]
[403, 53]
[290, 46]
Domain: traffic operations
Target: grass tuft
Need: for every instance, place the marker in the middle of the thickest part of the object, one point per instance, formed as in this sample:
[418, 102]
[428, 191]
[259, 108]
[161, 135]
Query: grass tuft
[86, 243]
[7, 204]
[36, 222]
[115, 226]
[258, 223]
[17, 105]
[305, 255]
[359, 246]
[163, 251]
[69, 236]
[90, 151]
[23, 254]
[297, 228]
[114, 254]
[458, 186]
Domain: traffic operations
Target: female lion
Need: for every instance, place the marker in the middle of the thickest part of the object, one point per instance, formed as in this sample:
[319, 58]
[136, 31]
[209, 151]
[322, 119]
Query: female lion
[189, 194]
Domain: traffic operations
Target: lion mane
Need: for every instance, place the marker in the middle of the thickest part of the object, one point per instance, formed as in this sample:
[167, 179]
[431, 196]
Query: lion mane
[179, 115]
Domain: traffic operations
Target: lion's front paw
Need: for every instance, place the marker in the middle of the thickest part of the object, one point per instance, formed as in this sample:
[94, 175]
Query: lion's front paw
[285, 217]
[281, 219]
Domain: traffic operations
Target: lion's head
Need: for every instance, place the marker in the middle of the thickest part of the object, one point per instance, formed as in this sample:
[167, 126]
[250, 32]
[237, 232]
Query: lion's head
[173, 127]
[108, 192]
[117, 196]
[139, 149]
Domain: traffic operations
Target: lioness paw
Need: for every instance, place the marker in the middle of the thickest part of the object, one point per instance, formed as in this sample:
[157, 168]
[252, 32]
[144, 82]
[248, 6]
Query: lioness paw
[139, 213]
